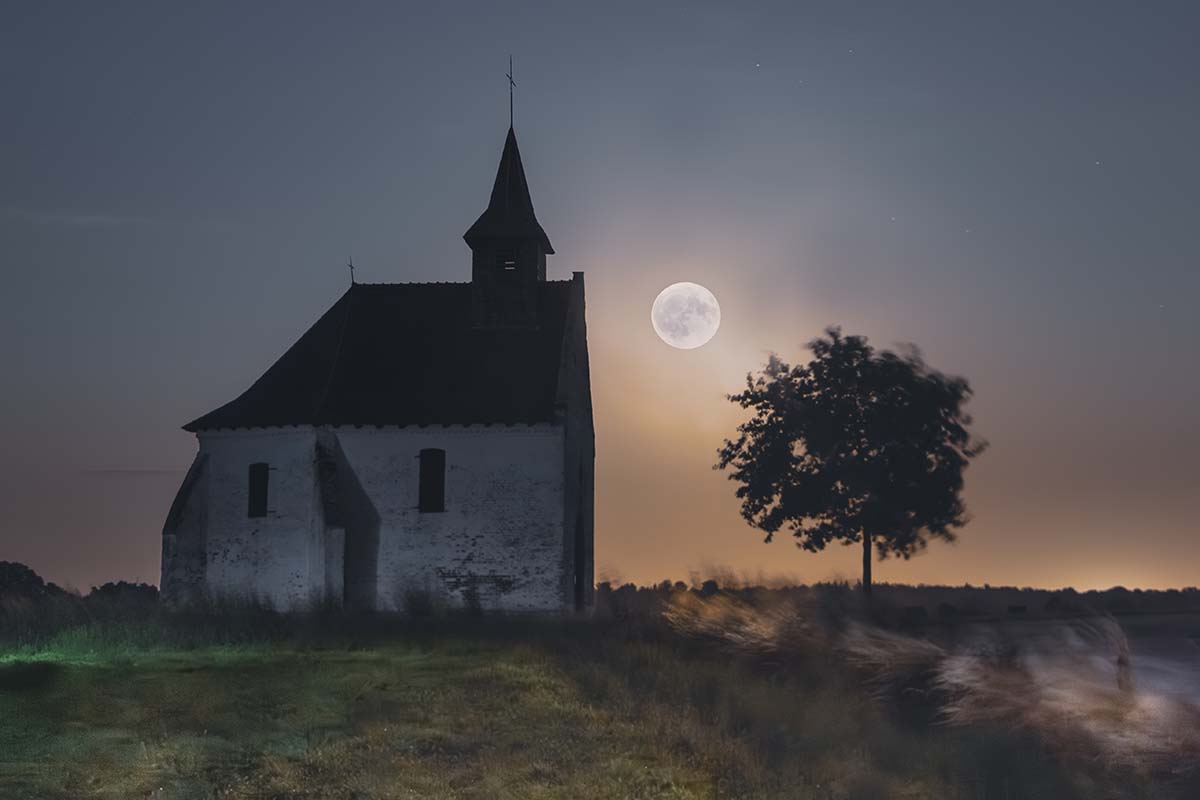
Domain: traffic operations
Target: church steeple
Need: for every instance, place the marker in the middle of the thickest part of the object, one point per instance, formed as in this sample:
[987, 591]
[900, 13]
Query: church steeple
[509, 214]
[508, 249]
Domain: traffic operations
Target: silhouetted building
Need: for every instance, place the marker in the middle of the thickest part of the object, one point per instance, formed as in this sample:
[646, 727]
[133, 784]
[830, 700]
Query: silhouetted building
[419, 442]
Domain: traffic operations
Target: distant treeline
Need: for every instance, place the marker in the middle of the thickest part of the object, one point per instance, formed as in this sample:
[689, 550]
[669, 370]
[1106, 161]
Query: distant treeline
[904, 604]
[32, 609]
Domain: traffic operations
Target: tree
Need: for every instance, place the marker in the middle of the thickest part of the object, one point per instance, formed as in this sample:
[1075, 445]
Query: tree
[857, 445]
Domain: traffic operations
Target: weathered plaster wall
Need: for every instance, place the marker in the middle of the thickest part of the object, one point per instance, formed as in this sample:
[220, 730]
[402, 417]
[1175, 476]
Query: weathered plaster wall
[579, 454]
[332, 516]
[184, 534]
[352, 528]
[278, 559]
[501, 534]
[343, 523]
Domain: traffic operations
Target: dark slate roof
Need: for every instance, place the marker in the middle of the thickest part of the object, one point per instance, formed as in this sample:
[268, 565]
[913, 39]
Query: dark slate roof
[407, 354]
[509, 214]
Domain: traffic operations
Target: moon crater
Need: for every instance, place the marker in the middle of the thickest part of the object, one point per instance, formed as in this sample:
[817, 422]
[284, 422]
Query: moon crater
[685, 315]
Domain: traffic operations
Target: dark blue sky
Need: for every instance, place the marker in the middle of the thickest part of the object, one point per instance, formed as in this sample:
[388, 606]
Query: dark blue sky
[1011, 186]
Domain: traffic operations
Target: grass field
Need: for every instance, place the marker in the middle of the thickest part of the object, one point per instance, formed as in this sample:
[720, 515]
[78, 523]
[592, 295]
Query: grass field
[269, 721]
[486, 708]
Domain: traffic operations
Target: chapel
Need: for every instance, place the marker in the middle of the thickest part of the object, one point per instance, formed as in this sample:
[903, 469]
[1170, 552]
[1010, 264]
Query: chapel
[421, 442]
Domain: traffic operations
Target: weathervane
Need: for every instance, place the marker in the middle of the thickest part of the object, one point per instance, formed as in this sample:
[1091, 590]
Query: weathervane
[511, 84]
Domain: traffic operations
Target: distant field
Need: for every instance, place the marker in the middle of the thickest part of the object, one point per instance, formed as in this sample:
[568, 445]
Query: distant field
[489, 709]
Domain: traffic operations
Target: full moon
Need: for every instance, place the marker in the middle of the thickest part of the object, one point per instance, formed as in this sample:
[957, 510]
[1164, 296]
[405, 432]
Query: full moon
[685, 315]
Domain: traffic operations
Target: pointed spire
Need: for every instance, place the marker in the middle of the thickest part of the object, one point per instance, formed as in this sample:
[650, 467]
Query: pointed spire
[509, 214]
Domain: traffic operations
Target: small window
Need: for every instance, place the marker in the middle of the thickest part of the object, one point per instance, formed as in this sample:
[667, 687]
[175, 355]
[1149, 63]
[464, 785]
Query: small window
[507, 259]
[433, 481]
[259, 477]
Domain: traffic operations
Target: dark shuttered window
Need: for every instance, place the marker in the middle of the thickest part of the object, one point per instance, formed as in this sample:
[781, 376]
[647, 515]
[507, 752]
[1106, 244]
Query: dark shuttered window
[259, 477]
[432, 495]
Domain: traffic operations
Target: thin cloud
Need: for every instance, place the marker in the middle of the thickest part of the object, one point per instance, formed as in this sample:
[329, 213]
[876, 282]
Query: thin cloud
[131, 471]
[105, 220]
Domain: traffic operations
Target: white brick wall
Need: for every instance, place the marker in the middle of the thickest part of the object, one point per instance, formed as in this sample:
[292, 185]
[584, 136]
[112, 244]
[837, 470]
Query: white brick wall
[278, 558]
[501, 535]
[502, 530]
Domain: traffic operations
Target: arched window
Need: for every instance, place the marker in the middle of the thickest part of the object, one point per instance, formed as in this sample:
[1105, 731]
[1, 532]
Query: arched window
[432, 492]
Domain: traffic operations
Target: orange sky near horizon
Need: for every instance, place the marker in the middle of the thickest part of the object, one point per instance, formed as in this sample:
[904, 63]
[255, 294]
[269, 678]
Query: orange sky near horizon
[674, 516]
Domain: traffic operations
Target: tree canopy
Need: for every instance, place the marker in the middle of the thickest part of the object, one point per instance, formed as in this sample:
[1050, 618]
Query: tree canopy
[857, 445]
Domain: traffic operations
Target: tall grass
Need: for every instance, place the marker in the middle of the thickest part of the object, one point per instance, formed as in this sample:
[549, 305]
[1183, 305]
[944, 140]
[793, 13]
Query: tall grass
[1072, 689]
[775, 692]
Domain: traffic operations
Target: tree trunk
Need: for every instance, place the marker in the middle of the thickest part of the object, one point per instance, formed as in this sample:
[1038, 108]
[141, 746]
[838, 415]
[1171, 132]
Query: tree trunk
[866, 576]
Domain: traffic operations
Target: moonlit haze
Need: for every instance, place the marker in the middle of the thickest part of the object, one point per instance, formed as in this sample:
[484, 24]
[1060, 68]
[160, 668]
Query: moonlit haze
[1009, 186]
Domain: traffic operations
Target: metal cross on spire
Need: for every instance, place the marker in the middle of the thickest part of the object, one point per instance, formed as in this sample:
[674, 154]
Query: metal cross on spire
[511, 84]
[350, 264]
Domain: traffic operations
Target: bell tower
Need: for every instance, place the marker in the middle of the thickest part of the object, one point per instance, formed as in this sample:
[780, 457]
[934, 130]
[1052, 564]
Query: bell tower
[508, 250]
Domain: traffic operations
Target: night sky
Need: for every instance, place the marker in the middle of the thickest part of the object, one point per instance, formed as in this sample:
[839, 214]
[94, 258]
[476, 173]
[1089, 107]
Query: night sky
[1010, 186]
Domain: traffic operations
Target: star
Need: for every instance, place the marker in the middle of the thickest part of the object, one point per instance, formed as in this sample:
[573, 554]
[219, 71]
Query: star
[756, 66]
